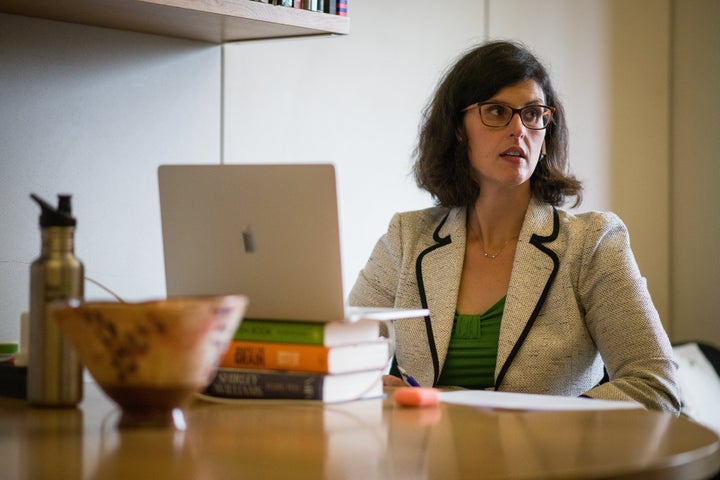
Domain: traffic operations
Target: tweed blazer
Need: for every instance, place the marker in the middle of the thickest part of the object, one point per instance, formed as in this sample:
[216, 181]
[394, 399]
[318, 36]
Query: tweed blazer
[576, 303]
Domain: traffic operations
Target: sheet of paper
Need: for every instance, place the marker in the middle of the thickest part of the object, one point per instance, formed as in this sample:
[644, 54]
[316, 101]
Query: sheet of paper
[527, 401]
[699, 385]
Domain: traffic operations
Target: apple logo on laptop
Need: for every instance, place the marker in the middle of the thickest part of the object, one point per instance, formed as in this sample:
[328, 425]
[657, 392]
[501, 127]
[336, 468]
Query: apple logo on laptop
[248, 240]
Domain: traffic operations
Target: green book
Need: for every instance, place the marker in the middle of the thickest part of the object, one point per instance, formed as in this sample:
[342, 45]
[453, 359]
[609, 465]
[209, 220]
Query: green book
[312, 333]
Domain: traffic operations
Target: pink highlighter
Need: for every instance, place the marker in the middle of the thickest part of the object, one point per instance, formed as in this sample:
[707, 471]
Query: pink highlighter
[417, 396]
[414, 395]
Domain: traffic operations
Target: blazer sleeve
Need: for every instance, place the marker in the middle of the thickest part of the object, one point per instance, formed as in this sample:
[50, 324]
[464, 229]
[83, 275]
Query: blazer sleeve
[623, 321]
[376, 285]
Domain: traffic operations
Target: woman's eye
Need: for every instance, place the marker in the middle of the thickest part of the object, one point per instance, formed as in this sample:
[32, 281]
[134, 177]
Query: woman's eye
[496, 110]
[533, 113]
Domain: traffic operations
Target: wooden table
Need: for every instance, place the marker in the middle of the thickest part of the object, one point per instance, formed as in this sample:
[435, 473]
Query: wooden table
[371, 439]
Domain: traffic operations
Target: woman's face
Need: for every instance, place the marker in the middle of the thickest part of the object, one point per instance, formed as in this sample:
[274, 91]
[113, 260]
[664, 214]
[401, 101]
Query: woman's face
[505, 157]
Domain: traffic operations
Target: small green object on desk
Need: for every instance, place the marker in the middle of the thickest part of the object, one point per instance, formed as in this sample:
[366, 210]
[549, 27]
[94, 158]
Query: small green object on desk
[7, 351]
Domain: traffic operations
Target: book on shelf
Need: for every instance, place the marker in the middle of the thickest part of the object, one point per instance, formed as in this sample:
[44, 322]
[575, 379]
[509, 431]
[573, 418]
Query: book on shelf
[314, 5]
[312, 333]
[342, 8]
[307, 358]
[237, 383]
[330, 7]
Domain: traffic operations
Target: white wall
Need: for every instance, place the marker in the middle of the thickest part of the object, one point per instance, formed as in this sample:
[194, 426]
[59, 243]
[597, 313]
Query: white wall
[354, 101]
[92, 112]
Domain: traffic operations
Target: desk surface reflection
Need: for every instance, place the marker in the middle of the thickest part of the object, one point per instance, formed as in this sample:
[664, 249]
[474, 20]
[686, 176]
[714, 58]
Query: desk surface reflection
[371, 439]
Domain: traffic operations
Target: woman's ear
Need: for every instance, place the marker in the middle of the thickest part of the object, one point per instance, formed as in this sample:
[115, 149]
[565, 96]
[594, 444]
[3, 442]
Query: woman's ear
[543, 152]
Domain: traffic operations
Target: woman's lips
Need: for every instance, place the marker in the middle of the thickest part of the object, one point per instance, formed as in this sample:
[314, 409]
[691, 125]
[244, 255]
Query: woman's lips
[514, 152]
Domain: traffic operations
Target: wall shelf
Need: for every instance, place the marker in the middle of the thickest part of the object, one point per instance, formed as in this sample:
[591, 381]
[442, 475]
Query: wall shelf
[213, 21]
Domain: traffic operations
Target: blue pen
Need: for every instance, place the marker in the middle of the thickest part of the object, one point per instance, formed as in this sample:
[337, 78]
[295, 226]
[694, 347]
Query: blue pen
[407, 378]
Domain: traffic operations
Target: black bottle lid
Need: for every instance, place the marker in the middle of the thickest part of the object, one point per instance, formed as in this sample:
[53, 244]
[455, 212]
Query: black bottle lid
[55, 217]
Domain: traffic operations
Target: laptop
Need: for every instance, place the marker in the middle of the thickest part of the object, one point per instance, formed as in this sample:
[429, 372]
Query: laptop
[269, 232]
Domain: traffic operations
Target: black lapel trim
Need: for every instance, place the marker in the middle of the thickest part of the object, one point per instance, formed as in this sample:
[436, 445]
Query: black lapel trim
[440, 242]
[537, 241]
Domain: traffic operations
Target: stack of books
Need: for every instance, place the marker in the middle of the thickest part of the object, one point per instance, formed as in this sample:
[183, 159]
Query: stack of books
[331, 362]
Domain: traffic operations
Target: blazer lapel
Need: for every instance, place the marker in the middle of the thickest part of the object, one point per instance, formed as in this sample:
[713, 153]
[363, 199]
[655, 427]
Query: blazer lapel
[438, 269]
[534, 269]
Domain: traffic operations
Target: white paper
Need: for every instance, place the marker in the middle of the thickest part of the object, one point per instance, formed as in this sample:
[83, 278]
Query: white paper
[528, 401]
[699, 385]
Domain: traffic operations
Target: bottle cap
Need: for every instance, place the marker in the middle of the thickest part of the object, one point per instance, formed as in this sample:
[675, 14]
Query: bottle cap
[55, 217]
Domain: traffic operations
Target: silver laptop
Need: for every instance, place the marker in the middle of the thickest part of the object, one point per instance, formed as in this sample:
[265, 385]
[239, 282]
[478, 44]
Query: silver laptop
[266, 231]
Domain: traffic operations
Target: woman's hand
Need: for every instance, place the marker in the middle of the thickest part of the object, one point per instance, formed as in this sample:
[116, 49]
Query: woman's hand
[392, 381]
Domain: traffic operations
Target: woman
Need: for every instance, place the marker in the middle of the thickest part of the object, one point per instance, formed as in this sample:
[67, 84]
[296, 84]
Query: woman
[523, 296]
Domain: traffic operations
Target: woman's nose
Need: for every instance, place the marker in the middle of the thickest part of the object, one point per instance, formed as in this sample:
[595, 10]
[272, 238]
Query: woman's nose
[516, 127]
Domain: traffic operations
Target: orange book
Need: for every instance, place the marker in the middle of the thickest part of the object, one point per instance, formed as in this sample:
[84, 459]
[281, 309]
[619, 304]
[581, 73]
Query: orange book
[307, 358]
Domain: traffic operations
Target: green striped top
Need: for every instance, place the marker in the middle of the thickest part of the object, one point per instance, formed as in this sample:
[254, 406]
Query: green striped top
[472, 353]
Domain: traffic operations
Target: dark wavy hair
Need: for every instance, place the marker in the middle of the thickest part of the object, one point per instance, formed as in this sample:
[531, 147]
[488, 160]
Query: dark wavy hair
[442, 166]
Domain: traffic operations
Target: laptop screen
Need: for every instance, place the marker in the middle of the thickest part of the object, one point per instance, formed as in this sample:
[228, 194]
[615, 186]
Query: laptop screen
[266, 231]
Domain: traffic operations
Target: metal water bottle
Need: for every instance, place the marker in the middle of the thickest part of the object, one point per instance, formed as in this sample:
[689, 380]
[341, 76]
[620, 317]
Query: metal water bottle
[55, 374]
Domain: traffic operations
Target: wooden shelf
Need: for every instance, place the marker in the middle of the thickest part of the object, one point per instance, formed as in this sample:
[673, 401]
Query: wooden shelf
[214, 21]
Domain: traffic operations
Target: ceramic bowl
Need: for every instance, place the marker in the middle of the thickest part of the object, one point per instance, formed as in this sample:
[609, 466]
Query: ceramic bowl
[151, 357]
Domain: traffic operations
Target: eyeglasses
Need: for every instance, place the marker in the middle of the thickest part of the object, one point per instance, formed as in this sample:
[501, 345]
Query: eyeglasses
[534, 117]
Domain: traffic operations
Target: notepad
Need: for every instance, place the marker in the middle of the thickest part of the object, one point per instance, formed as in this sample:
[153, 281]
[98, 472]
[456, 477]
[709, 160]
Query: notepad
[529, 401]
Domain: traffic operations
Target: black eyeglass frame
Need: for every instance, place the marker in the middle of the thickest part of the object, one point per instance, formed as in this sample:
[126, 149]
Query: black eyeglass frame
[514, 111]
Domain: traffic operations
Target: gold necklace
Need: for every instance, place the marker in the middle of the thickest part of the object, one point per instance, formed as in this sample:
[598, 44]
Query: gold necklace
[491, 256]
